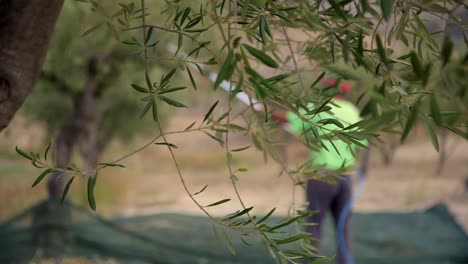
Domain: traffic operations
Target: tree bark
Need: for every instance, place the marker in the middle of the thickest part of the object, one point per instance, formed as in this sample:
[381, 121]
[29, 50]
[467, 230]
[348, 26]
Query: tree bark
[94, 143]
[26, 27]
[83, 111]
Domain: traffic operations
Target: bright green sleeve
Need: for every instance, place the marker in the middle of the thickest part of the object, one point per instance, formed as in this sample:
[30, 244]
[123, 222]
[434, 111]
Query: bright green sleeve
[297, 125]
[347, 114]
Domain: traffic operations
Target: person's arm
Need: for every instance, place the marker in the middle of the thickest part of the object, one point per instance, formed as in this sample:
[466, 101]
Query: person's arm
[364, 165]
[279, 116]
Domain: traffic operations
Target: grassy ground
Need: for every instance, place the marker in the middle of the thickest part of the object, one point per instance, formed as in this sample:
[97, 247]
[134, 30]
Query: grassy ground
[150, 182]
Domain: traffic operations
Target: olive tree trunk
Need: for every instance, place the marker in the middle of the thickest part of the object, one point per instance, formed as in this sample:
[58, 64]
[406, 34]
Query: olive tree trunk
[26, 27]
[84, 108]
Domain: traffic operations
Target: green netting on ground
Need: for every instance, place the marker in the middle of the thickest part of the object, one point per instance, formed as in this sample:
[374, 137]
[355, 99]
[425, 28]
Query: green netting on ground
[429, 236]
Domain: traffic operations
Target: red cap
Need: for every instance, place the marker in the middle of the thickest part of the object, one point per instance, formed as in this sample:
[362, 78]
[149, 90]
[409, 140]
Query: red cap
[345, 87]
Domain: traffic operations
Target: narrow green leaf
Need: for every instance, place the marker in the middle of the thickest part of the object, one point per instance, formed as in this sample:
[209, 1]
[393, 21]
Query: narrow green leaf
[148, 35]
[218, 240]
[191, 79]
[185, 15]
[90, 30]
[153, 44]
[214, 137]
[289, 239]
[457, 131]
[139, 88]
[313, 21]
[300, 254]
[229, 157]
[155, 111]
[315, 132]
[240, 149]
[22, 153]
[333, 51]
[190, 126]
[149, 83]
[336, 122]
[210, 111]
[41, 176]
[171, 101]
[109, 164]
[432, 134]
[318, 79]
[47, 150]
[345, 49]
[338, 9]
[333, 145]
[381, 49]
[435, 110]
[244, 241]
[352, 140]
[343, 72]
[180, 41]
[148, 105]
[211, 61]
[229, 244]
[425, 34]
[417, 67]
[266, 216]
[226, 70]
[235, 215]
[278, 78]
[321, 107]
[426, 74]
[410, 121]
[200, 191]
[261, 29]
[166, 78]
[234, 127]
[167, 144]
[386, 6]
[91, 185]
[285, 223]
[67, 188]
[222, 117]
[219, 202]
[260, 55]
[222, 7]
[264, 29]
[178, 13]
[193, 22]
[173, 89]
[446, 51]
[272, 252]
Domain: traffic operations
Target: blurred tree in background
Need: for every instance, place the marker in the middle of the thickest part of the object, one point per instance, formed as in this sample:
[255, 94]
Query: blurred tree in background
[82, 97]
[82, 94]
[78, 68]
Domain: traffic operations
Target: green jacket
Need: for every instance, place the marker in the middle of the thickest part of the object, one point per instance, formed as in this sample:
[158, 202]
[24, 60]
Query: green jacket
[347, 114]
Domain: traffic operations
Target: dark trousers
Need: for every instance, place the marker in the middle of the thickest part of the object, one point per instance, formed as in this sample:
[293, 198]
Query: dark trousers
[323, 197]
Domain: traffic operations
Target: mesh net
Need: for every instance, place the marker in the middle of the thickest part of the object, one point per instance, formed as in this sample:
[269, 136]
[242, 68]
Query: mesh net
[51, 230]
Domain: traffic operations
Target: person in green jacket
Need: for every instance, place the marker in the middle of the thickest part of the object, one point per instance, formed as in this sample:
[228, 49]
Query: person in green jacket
[323, 196]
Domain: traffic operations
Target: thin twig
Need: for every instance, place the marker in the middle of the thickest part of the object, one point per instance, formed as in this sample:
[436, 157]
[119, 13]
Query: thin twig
[296, 67]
